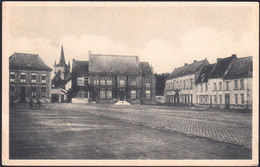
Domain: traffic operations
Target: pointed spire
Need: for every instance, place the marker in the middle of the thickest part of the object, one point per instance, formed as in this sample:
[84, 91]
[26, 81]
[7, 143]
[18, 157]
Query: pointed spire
[62, 58]
[54, 63]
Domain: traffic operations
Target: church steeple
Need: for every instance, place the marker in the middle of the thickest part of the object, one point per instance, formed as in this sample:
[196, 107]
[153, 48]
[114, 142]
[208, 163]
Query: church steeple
[54, 63]
[62, 58]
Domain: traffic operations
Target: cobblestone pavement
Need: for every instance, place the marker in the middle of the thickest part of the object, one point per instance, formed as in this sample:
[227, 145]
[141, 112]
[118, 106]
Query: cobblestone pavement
[222, 126]
[106, 131]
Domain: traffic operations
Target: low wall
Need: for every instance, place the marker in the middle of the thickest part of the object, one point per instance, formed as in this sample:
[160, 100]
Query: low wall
[75, 100]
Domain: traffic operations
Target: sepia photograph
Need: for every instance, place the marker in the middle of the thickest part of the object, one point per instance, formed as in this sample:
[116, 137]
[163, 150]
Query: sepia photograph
[130, 83]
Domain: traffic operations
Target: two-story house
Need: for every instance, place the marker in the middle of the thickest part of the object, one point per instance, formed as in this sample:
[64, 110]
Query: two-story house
[180, 86]
[29, 78]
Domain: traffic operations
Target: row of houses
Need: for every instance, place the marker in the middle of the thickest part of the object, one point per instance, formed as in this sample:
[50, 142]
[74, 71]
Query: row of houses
[101, 78]
[224, 84]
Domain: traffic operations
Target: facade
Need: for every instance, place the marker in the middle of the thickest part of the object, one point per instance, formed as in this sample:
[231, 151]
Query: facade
[29, 78]
[112, 78]
[180, 86]
[229, 83]
[62, 78]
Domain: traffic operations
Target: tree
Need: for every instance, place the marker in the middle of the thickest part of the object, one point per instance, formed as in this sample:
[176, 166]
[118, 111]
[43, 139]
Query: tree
[160, 83]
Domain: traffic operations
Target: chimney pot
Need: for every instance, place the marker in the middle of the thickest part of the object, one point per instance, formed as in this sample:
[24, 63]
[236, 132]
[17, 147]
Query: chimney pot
[194, 61]
[185, 64]
[218, 59]
[234, 55]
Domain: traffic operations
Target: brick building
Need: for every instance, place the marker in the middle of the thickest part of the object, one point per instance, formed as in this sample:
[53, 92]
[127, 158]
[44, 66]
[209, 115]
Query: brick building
[29, 77]
[112, 78]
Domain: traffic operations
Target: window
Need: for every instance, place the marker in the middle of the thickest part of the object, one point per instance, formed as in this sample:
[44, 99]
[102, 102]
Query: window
[33, 78]
[80, 81]
[206, 87]
[12, 77]
[109, 94]
[133, 94]
[148, 94]
[184, 86]
[236, 99]
[85, 80]
[85, 94]
[242, 99]
[227, 85]
[147, 85]
[215, 86]
[43, 78]
[133, 82]
[220, 99]
[122, 83]
[81, 94]
[23, 77]
[33, 92]
[197, 99]
[102, 82]
[191, 84]
[180, 84]
[220, 85]
[201, 87]
[215, 99]
[206, 99]
[235, 84]
[109, 81]
[242, 84]
[43, 92]
[102, 94]
[96, 82]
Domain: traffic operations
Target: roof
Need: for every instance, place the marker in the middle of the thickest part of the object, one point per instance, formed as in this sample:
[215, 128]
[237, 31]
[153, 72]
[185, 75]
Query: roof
[114, 64]
[80, 67]
[187, 69]
[221, 67]
[146, 69]
[26, 61]
[240, 68]
[204, 74]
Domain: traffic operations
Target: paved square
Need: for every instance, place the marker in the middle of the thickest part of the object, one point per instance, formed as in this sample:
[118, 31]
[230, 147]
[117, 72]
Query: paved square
[106, 131]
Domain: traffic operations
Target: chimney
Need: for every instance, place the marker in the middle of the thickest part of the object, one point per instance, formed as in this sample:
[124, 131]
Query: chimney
[185, 64]
[73, 59]
[194, 61]
[89, 52]
[152, 69]
[218, 59]
[234, 56]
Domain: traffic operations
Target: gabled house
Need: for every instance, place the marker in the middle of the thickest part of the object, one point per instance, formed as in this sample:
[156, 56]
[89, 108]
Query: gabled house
[226, 84]
[112, 78]
[180, 86]
[29, 78]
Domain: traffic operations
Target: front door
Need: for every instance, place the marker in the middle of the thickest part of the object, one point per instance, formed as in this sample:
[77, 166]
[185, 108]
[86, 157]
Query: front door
[227, 101]
[210, 98]
[22, 94]
[121, 95]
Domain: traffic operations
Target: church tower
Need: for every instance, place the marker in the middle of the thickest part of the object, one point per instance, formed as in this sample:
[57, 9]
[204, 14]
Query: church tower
[62, 69]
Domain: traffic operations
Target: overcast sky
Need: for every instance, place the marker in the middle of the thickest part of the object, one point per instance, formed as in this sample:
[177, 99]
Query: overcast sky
[167, 36]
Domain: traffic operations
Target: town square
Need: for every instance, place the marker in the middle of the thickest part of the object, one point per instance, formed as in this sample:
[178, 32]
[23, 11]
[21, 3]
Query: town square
[144, 83]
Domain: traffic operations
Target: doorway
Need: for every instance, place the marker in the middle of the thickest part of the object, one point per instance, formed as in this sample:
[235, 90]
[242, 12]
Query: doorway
[227, 101]
[121, 95]
[22, 94]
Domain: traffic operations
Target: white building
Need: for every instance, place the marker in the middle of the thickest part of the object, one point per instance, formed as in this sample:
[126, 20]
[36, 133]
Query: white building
[180, 86]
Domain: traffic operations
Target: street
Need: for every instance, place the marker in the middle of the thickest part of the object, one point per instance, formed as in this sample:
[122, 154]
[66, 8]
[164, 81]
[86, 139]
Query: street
[106, 131]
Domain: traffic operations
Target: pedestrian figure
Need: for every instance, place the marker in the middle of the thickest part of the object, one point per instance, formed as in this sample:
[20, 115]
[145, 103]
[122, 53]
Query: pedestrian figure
[39, 103]
[30, 103]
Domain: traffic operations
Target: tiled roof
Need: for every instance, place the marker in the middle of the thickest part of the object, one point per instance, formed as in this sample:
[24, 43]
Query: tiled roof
[240, 68]
[146, 69]
[80, 67]
[204, 74]
[26, 61]
[221, 67]
[188, 69]
[114, 64]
